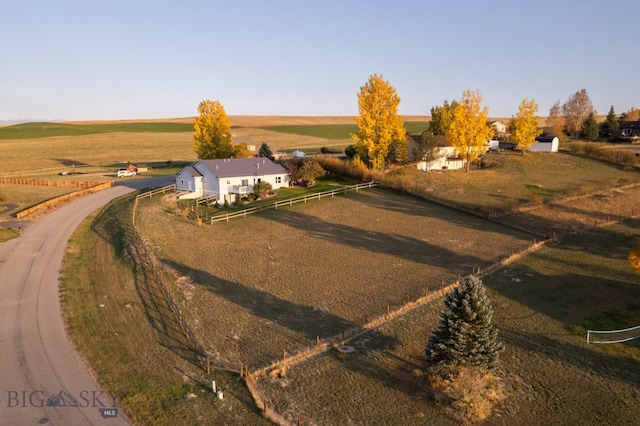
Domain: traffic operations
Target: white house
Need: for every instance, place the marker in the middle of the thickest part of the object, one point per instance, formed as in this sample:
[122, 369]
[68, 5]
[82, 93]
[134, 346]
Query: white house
[545, 143]
[448, 158]
[227, 179]
[499, 127]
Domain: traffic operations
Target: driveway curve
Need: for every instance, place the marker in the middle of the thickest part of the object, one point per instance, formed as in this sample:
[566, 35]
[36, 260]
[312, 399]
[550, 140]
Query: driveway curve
[43, 379]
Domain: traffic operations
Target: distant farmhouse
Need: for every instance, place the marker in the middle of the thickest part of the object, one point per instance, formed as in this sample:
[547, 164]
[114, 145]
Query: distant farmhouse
[229, 179]
[499, 127]
[629, 130]
[248, 141]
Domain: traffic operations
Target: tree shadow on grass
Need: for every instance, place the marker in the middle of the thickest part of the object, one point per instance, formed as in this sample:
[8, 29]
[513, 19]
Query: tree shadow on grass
[409, 204]
[408, 248]
[306, 320]
[607, 241]
[606, 365]
[158, 311]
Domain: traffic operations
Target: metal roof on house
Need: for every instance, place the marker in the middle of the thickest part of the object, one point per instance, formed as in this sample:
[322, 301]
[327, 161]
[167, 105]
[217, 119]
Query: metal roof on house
[192, 171]
[235, 167]
[629, 125]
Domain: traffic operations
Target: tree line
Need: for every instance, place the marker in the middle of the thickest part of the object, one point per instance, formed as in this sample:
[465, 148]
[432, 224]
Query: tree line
[381, 139]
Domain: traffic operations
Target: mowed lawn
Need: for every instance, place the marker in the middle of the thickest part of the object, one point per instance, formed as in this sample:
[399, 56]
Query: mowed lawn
[277, 280]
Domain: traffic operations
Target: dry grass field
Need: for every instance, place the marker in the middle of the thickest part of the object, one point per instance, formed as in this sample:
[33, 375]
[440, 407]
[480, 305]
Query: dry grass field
[354, 248]
[543, 303]
[315, 270]
[105, 152]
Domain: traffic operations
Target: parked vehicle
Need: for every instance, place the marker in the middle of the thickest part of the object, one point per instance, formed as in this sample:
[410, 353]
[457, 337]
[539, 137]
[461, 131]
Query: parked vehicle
[125, 173]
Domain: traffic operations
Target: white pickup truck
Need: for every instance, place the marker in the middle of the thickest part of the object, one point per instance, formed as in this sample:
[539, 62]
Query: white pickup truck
[125, 173]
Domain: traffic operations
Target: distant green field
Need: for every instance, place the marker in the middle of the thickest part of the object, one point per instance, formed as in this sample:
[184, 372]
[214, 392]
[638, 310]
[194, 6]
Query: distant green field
[39, 130]
[338, 131]
[45, 130]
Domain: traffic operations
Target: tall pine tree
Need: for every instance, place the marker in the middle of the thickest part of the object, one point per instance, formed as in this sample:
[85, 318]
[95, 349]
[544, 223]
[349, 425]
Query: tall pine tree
[610, 126]
[466, 335]
[589, 130]
[265, 151]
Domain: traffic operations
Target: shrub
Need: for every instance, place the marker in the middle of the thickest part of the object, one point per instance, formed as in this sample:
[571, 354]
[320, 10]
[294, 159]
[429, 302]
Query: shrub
[347, 168]
[310, 171]
[470, 396]
[604, 152]
[261, 189]
[327, 150]
[293, 166]
[351, 151]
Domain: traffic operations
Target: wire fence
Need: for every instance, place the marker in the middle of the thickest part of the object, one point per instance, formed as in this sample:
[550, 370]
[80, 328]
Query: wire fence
[613, 336]
[204, 358]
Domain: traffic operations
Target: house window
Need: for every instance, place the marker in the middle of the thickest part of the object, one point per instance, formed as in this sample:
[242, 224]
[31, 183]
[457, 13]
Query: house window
[228, 181]
[278, 179]
[245, 182]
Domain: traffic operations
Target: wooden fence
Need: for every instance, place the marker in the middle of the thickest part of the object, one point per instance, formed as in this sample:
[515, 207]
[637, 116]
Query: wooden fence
[203, 356]
[49, 203]
[292, 201]
[41, 182]
[347, 335]
[150, 194]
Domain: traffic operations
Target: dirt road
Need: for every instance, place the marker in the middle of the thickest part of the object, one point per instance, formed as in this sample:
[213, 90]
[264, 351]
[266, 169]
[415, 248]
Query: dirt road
[43, 380]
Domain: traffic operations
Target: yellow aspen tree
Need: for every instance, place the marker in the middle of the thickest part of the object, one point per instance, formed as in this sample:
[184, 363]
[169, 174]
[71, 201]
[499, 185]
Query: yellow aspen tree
[381, 136]
[212, 131]
[469, 131]
[634, 259]
[524, 126]
[632, 115]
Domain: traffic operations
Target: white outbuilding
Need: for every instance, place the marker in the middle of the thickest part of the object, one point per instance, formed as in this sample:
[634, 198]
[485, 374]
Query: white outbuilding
[545, 143]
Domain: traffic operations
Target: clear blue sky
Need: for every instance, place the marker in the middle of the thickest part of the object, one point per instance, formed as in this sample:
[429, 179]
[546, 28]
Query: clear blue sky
[127, 59]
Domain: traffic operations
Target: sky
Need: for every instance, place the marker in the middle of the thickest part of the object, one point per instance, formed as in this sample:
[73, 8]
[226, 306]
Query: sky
[133, 59]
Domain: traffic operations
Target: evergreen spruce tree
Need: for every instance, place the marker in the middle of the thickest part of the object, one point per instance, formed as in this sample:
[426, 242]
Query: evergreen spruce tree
[265, 151]
[589, 129]
[466, 335]
[610, 126]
